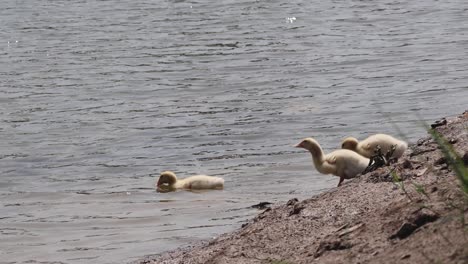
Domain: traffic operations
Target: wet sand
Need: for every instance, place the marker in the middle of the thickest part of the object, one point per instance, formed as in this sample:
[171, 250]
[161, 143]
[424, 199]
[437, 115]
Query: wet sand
[370, 219]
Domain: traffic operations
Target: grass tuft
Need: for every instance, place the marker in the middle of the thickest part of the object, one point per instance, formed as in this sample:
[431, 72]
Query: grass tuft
[453, 159]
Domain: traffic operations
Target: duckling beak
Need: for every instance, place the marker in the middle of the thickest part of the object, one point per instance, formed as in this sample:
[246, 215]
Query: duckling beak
[159, 183]
[299, 145]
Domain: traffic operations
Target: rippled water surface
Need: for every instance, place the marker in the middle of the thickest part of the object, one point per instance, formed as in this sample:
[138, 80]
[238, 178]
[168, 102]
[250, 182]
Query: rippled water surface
[99, 97]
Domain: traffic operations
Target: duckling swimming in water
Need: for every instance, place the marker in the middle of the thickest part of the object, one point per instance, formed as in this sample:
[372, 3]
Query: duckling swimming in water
[168, 182]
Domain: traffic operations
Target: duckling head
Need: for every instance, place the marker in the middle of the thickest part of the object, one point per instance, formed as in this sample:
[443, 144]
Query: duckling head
[307, 143]
[311, 145]
[349, 143]
[167, 177]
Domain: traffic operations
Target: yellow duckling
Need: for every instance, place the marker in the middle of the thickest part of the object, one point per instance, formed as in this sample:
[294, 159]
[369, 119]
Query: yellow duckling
[343, 163]
[368, 146]
[168, 181]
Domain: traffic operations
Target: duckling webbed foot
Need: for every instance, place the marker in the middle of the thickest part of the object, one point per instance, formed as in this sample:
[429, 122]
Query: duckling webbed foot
[341, 181]
[388, 157]
[377, 160]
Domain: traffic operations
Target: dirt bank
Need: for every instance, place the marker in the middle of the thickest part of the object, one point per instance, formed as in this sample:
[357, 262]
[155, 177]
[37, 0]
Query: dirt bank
[370, 219]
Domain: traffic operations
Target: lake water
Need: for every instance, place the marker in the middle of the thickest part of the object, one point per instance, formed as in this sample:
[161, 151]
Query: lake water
[98, 97]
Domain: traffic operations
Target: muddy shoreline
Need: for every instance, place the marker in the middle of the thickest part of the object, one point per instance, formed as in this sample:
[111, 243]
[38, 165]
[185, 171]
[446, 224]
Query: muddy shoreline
[370, 219]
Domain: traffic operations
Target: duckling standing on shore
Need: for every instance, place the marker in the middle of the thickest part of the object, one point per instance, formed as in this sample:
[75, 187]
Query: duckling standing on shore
[343, 163]
[368, 146]
[169, 182]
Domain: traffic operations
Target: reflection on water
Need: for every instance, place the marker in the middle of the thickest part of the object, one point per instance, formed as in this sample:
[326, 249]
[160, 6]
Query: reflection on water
[98, 97]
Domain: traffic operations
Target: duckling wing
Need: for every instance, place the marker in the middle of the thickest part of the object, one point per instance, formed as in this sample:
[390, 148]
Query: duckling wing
[350, 163]
[386, 142]
[368, 146]
[330, 158]
[203, 182]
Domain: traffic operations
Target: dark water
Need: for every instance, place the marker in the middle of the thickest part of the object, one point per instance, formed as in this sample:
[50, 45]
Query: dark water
[97, 96]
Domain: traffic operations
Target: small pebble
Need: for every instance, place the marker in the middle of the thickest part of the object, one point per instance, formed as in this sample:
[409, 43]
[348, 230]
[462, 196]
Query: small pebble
[440, 161]
[439, 123]
[465, 159]
[296, 210]
[420, 141]
[406, 256]
[407, 164]
[292, 201]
